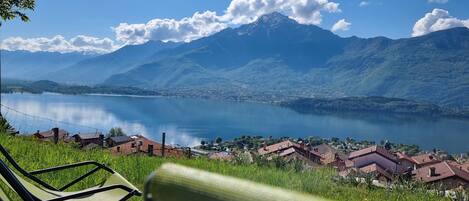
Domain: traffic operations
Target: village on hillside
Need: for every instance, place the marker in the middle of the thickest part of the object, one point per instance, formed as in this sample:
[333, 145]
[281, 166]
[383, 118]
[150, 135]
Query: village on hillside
[364, 162]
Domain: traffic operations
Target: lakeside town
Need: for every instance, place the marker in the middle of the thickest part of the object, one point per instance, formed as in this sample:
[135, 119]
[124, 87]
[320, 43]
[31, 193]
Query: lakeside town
[383, 165]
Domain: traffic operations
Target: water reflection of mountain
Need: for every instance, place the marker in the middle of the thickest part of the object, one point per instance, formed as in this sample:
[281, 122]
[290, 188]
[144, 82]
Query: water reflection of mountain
[375, 109]
[187, 120]
[372, 117]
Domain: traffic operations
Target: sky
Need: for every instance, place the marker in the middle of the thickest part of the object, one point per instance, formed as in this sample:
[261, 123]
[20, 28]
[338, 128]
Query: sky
[105, 25]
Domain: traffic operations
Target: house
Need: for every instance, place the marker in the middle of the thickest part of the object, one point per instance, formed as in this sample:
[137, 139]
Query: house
[465, 166]
[407, 164]
[330, 156]
[117, 140]
[424, 160]
[90, 138]
[141, 145]
[49, 135]
[444, 174]
[461, 166]
[222, 156]
[291, 151]
[379, 172]
[375, 160]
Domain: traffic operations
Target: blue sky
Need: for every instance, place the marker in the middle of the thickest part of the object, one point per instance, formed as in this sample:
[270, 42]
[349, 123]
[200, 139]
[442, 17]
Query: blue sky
[94, 19]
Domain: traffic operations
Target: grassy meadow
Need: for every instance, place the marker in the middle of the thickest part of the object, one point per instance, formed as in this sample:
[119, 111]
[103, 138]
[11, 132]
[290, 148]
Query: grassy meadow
[32, 155]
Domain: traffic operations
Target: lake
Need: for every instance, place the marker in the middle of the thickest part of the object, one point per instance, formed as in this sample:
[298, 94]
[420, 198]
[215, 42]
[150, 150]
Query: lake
[188, 121]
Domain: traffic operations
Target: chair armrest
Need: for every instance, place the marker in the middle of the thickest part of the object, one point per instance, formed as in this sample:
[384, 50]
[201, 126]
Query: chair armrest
[73, 165]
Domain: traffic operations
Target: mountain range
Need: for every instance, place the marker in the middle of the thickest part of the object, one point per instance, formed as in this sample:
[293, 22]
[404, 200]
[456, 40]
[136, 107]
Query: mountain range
[279, 55]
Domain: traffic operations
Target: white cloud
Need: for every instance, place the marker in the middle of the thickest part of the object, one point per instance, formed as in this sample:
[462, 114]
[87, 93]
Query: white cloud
[303, 11]
[438, 19]
[364, 3]
[341, 25]
[206, 23]
[438, 1]
[199, 25]
[58, 43]
[185, 29]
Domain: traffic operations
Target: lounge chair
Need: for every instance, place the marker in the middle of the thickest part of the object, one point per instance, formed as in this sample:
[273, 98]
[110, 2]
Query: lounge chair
[115, 187]
[173, 182]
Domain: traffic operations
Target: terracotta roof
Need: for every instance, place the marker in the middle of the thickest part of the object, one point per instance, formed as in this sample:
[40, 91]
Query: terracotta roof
[375, 168]
[425, 159]
[328, 154]
[323, 149]
[443, 170]
[465, 166]
[277, 147]
[139, 144]
[404, 156]
[373, 149]
[461, 166]
[287, 152]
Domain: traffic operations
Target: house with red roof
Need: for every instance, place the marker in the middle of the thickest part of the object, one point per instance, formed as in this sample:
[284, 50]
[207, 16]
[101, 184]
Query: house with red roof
[330, 156]
[445, 174]
[291, 151]
[409, 163]
[141, 145]
[375, 160]
[425, 159]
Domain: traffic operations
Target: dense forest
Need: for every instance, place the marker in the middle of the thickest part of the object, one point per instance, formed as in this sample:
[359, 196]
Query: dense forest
[37, 87]
[373, 104]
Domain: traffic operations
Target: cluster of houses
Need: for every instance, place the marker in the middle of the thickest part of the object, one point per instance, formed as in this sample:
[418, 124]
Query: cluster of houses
[382, 164]
[118, 145]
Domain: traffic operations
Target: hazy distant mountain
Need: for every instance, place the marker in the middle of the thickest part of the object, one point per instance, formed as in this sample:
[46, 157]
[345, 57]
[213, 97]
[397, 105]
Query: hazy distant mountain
[95, 70]
[276, 53]
[31, 65]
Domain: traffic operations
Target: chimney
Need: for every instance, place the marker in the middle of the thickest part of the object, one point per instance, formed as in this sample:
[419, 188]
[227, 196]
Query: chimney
[101, 140]
[265, 146]
[162, 145]
[189, 152]
[56, 135]
[431, 172]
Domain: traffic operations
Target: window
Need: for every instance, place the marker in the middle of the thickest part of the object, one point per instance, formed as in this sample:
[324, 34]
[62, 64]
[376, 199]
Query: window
[118, 149]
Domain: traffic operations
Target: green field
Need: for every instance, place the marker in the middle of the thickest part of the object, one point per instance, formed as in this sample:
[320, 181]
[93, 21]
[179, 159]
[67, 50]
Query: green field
[32, 154]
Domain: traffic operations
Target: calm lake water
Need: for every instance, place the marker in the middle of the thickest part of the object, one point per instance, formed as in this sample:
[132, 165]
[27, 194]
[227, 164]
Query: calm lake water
[188, 121]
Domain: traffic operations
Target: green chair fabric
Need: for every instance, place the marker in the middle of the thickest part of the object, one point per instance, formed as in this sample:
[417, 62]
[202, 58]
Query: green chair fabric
[173, 182]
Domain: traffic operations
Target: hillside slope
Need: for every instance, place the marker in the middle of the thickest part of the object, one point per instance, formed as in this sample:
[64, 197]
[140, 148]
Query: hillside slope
[276, 53]
[95, 70]
[136, 169]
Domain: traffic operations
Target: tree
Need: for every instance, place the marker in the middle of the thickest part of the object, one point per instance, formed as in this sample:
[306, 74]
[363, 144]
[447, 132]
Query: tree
[114, 132]
[218, 140]
[10, 9]
[4, 125]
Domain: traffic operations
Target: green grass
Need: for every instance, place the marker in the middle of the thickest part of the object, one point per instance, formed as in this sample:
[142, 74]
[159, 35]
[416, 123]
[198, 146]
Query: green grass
[32, 154]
